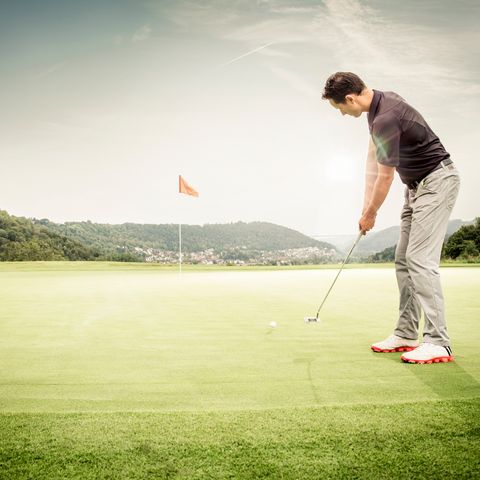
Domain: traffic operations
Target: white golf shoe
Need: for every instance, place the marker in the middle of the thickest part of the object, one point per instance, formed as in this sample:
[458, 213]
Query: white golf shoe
[428, 353]
[394, 344]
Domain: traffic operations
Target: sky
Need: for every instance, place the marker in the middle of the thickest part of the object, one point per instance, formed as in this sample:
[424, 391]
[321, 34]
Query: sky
[105, 103]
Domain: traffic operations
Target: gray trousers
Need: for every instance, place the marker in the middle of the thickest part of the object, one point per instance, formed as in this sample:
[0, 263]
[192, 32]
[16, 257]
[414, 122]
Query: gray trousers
[424, 222]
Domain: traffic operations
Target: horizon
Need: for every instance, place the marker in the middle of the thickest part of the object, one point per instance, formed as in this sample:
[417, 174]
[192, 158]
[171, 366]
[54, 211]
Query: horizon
[106, 104]
[314, 236]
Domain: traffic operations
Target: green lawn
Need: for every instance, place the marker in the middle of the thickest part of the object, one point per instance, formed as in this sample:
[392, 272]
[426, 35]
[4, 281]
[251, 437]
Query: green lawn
[134, 371]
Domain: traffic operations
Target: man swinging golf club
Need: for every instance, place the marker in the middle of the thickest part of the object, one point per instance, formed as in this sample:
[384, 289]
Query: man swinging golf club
[402, 141]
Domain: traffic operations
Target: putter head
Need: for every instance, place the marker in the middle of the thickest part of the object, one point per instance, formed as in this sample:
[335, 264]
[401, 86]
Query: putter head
[311, 319]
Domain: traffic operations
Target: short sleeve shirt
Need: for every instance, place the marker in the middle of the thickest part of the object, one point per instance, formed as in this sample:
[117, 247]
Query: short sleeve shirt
[403, 138]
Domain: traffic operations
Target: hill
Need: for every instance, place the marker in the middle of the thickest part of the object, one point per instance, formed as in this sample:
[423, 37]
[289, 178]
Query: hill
[462, 244]
[240, 242]
[21, 239]
[255, 242]
[195, 238]
[375, 242]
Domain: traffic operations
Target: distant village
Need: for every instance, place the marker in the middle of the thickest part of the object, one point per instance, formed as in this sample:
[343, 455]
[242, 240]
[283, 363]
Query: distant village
[240, 256]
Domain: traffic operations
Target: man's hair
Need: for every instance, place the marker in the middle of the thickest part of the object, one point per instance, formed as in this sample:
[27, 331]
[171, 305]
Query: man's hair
[341, 84]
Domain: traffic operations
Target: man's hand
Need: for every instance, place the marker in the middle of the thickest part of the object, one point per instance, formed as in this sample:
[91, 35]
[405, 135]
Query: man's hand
[366, 222]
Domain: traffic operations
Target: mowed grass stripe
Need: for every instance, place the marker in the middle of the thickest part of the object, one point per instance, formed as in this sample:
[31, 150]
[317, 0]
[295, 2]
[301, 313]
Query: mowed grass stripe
[421, 440]
[140, 339]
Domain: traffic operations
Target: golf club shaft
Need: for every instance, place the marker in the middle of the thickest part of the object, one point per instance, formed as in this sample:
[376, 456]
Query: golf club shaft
[341, 268]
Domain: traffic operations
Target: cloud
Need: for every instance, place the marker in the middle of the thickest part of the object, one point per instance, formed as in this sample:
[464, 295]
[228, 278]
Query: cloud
[294, 10]
[49, 70]
[271, 52]
[117, 40]
[247, 53]
[189, 15]
[350, 34]
[141, 34]
[279, 30]
[296, 81]
[417, 54]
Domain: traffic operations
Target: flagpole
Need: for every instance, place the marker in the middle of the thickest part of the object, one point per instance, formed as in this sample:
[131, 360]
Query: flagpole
[183, 187]
[180, 229]
[180, 245]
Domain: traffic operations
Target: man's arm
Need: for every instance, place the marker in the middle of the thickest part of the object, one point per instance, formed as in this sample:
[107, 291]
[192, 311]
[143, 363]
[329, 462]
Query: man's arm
[386, 138]
[371, 172]
[379, 192]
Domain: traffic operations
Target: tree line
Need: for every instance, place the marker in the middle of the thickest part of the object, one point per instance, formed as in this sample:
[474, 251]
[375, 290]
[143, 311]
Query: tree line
[23, 240]
[463, 245]
[195, 238]
[40, 239]
[31, 239]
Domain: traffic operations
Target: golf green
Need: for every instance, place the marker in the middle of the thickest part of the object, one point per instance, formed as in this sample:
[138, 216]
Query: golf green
[104, 343]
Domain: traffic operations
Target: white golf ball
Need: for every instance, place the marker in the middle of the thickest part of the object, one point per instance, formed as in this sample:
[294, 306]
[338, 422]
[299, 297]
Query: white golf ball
[273, 324]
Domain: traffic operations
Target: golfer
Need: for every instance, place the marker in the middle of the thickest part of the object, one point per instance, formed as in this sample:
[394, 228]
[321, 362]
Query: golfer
[402, 141]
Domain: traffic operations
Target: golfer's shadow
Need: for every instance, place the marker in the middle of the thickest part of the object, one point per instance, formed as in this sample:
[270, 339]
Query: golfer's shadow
[308, 360]
[447, 380]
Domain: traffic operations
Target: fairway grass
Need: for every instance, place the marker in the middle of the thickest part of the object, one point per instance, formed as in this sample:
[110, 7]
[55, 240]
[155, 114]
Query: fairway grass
[425, 440]
[118, 371]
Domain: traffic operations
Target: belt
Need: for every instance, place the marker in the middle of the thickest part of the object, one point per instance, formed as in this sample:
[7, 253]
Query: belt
[416, 183]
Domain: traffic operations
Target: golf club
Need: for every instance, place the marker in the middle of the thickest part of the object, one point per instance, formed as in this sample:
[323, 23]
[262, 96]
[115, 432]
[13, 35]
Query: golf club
[315, 319]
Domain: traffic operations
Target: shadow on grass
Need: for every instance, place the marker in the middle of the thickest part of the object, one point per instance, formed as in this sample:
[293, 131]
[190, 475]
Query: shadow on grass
[308, 362]
[446, 380]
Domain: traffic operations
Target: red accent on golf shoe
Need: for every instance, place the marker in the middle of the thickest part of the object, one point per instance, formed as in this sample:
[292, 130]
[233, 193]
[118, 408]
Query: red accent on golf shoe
[398, 349]
[448, 358]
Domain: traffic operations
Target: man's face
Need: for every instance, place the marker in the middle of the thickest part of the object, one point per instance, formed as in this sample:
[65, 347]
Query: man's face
[350, 107]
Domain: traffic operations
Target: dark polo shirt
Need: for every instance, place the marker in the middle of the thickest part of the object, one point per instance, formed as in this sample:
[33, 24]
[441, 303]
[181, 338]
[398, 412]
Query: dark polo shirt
[403, 138]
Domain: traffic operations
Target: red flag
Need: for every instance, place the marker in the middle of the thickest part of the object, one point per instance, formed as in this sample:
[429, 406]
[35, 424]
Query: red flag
[184, 187]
